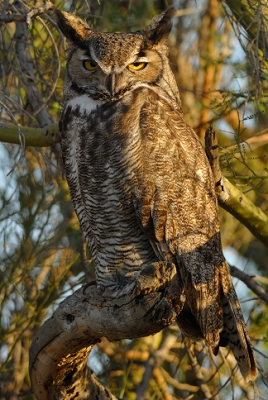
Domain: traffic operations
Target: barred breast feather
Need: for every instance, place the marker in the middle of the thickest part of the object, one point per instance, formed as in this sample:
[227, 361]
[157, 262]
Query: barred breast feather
[102, 167]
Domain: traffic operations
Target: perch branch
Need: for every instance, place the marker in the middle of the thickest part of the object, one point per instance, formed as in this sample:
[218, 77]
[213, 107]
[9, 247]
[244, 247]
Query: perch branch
[231, 198]
[60, 349]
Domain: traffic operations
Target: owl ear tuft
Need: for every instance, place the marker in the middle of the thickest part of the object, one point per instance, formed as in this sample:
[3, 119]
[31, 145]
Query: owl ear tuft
[160, 27]
[72, 27]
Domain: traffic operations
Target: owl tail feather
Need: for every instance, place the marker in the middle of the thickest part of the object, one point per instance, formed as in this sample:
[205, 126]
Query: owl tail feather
[221, 322]
[235, 336]
[234, 333]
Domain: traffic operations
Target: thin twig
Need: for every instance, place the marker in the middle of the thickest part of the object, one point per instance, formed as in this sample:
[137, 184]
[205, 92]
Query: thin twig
[57, 74]
[26, 67]
[28, 16]
[249, 282]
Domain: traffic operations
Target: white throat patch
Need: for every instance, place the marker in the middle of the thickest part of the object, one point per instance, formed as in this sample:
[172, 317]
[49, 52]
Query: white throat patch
[85, 103]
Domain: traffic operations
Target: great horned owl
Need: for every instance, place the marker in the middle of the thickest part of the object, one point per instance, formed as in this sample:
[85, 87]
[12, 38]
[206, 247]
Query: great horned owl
[139, 178]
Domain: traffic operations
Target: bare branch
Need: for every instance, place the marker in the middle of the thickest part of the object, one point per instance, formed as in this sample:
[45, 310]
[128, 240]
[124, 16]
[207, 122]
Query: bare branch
[161, 383]
[28, 16]
[251, 143]
[246, 212]
[249, 281]
[198, 373]
[253, 18]
[248, 15]
[27, 71]
[143, 386]
[179, 385]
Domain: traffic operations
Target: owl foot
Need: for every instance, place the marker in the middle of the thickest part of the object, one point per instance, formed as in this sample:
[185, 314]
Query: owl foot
[157, 276]
[89, 284]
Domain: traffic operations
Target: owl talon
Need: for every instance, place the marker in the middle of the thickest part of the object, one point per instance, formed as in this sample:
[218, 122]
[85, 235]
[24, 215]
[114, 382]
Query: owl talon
[89, 284]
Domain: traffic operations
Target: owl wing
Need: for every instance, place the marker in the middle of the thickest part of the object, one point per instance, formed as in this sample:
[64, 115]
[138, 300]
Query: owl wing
[177, 208]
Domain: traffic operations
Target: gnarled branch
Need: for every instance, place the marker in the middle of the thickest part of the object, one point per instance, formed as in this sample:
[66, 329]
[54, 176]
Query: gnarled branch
[60, 349]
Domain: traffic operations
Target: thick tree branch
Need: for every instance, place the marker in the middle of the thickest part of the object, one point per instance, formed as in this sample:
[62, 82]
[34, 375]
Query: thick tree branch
[60, 349]
[231, 198]
[246, 212]
[38, 137]
[67, 377]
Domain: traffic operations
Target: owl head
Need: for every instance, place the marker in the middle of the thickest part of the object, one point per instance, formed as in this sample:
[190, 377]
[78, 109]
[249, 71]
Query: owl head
[107, 66]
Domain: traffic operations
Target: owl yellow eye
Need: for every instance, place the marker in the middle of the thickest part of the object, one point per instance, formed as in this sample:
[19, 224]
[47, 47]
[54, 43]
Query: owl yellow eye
[90, 65]
[137, 66]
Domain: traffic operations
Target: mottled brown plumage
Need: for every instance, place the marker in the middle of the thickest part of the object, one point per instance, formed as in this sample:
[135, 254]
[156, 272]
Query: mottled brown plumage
[140, 181]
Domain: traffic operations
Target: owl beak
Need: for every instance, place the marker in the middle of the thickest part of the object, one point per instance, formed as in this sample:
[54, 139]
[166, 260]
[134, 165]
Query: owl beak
[111, 84]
